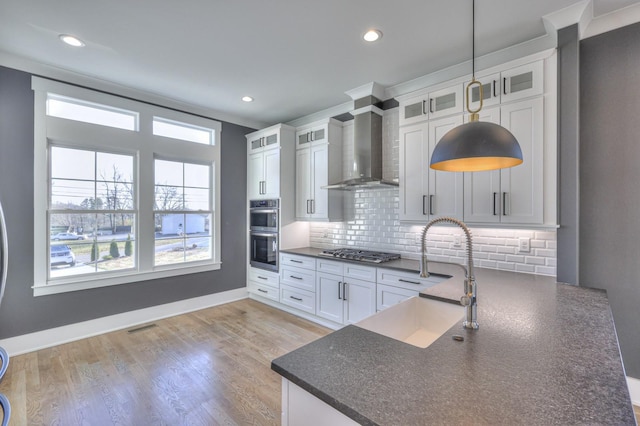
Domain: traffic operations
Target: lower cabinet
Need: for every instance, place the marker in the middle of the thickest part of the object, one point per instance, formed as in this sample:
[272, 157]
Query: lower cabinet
[342, 298]
[264, 283]
[395, 286]
[298, 282]
[299, 407]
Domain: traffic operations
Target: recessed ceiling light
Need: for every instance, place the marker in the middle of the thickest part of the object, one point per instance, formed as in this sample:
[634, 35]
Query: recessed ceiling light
[372, 35]
[71, 40]
[247, 98]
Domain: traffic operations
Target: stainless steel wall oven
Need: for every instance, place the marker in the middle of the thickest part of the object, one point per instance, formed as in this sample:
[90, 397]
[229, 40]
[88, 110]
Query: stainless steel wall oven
[264, 216]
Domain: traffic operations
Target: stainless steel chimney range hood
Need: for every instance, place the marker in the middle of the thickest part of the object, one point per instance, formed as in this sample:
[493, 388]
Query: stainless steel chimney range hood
[366, 155]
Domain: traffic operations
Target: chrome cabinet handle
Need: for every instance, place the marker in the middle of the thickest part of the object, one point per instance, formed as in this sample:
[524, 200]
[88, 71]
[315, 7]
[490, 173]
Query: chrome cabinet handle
[504, 85]
[295, 261]
[495, 84]
[262, 278]
[313, 206]
[431, 205]
[431, 105]
[424, 105]
[296, 298]
[344, 291]
[339, 294]
[263, 291]
[424, 203]
[495, 194]
[295, 278]
[407, 281]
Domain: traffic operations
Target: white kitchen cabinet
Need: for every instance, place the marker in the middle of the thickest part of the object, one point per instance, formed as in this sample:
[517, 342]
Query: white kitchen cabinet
[341, 297]
[429, 105]
[509, 85]
[264, 283]
[522, 82]
[299, 407]
[319, 163]
[513, 195]
[491, 89]
[264, 160]
[298, 282]
[263, 140]
[394, 286]
[427, 193]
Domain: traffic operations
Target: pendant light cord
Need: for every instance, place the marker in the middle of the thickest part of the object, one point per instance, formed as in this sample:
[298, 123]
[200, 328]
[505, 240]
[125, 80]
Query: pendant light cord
[473, 39]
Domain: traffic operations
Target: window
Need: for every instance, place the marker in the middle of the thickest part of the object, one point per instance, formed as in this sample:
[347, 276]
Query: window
[124, 191]
[183, 131]
[91, 211]
[88, 112]
[182, 212]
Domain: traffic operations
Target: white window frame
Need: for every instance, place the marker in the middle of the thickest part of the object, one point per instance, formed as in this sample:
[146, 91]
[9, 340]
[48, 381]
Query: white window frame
[146, 147]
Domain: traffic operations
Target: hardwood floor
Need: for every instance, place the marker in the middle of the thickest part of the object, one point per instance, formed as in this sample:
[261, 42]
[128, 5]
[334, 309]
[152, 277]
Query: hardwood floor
[210, 367]
[636, 410]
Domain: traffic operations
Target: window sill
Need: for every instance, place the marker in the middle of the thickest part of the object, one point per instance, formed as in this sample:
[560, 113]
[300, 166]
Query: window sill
[85, 283]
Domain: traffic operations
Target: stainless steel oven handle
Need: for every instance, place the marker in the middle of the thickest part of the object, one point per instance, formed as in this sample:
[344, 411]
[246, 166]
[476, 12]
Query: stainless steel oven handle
[257, 234]
[264, 211]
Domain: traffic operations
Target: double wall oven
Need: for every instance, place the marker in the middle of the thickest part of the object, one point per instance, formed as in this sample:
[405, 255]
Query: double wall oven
[264, 216]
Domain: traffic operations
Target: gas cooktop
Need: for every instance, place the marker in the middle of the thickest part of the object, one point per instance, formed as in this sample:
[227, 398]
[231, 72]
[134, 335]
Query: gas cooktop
[360, 255]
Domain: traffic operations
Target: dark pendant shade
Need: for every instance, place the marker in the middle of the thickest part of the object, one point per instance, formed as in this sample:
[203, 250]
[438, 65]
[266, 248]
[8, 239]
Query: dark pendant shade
[476, 146]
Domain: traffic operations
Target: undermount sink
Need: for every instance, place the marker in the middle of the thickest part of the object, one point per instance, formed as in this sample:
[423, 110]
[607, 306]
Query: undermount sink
[417, 321]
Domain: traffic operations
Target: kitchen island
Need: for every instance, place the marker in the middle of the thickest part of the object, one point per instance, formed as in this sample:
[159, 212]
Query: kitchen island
[545, 353]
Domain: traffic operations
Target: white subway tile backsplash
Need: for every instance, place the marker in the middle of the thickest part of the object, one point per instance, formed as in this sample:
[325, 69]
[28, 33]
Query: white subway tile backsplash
[374, 223]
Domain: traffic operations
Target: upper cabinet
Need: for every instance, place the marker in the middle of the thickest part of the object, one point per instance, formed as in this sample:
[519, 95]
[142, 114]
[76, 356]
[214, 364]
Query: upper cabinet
[430, 105]
[513, 195]
[264, 140]
[509, 85]
[425, 193]
[513, 97]
[318, 164]
[264, 161]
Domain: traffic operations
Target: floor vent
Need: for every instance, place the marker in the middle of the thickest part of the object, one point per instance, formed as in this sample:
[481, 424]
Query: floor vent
[144, 327]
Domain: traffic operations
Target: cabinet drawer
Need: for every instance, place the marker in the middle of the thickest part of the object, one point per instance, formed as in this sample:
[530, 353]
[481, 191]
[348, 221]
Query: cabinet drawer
[365, 273]
[299, 278]
[264, 290]
[264, 277]
[299, 299]
[298, 261]
[387, 295]
[407, 280]
[330, 266]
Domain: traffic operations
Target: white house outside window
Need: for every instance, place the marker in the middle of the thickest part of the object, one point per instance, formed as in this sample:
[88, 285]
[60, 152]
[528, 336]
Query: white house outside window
[124, 191]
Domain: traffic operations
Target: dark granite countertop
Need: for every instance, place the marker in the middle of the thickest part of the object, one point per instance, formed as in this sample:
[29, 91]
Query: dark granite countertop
[545, 354]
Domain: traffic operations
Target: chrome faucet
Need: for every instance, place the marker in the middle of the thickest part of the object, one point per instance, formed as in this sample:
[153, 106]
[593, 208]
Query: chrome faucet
[469, 299]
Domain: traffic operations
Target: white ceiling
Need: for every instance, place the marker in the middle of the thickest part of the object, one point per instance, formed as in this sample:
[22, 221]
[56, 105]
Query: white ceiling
[295, 57]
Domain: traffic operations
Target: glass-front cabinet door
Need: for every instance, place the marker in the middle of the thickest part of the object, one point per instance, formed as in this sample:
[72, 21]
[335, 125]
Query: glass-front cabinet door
[522, 82]
[414, 109]
[491, 88]
[263, 142]
[445, 102]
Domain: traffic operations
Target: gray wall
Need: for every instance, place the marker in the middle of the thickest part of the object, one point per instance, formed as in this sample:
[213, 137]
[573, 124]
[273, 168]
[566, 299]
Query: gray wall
[568, 158]
[610, 179]
[20, 311]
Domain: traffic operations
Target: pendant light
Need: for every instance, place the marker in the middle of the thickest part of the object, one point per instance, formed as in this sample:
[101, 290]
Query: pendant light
[476, 145]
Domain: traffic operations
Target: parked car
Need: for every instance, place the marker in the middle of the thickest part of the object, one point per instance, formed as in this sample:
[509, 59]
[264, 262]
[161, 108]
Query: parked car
[61, 254]
[67, 236]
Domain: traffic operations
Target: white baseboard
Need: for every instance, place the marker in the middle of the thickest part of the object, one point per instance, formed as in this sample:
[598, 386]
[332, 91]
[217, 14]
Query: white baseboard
[56, 336]
[634, 390]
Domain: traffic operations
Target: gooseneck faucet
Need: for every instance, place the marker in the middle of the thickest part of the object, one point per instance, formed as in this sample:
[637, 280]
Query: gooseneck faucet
[469, 299]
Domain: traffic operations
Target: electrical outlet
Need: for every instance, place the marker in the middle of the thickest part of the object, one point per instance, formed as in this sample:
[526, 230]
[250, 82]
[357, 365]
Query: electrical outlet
[524, 245]
[457, 241]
